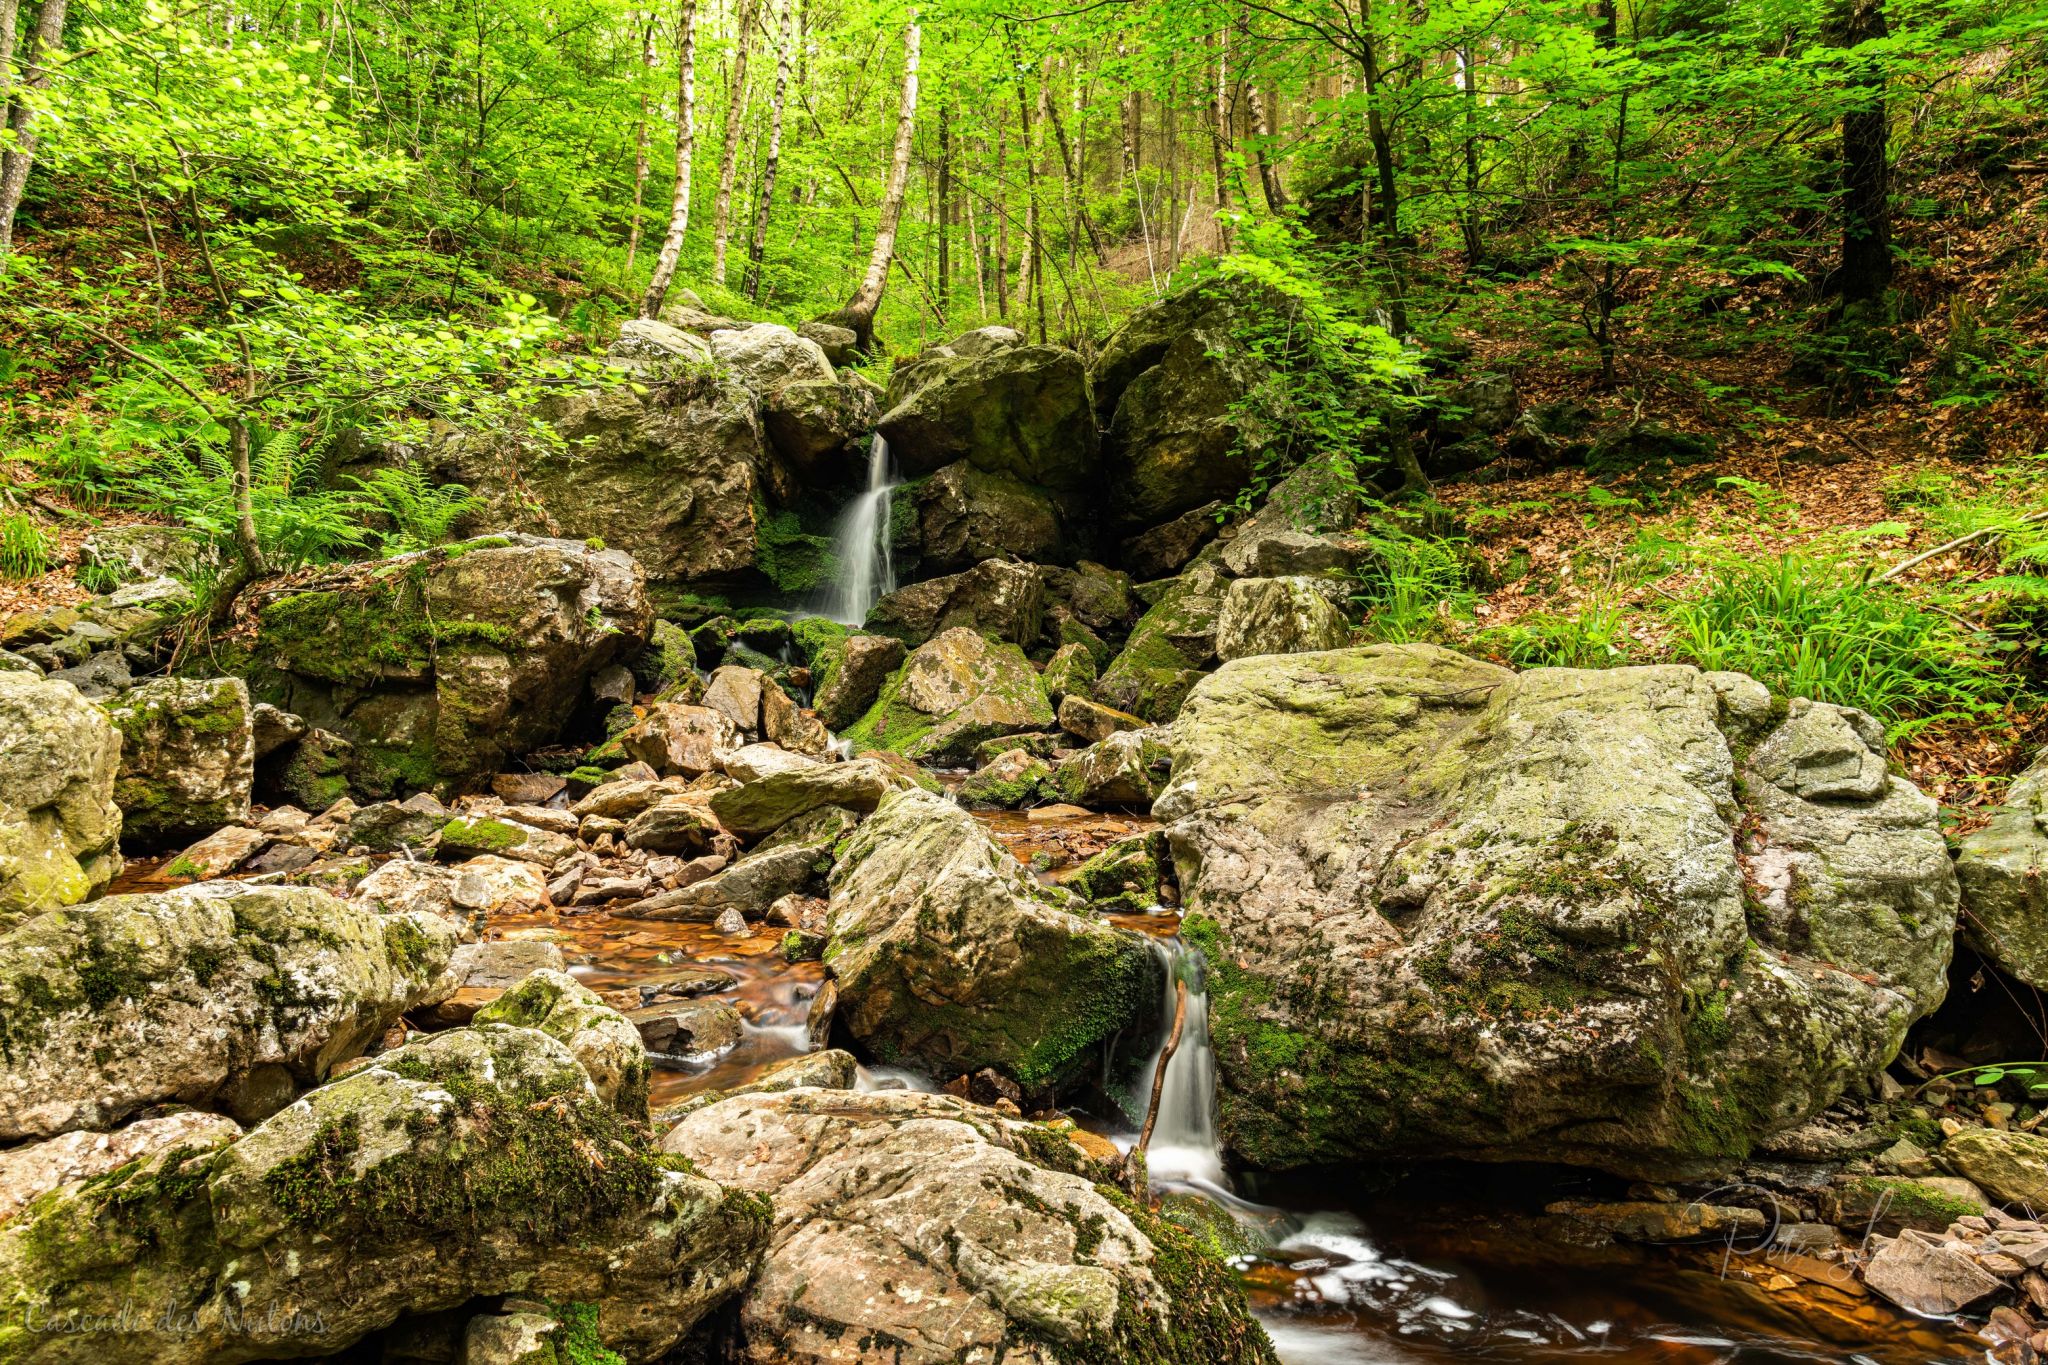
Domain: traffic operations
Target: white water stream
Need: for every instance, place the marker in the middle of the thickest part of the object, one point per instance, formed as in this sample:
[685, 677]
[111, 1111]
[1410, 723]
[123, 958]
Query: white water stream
[860, 543]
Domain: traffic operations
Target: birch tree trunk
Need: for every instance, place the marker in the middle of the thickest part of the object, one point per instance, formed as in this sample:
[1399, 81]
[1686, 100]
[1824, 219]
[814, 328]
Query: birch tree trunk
[1219, 131]
[859, 312]
[643, 144]
[21, 116]
[784, 54]
[686, 150]
[728, 156]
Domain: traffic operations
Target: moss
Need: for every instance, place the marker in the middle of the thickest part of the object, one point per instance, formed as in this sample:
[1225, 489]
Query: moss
[1204, 1318]
[553, 1165]
[794, 560]
[184, 867]
[815, 636]
[890, 723]
[482, 833]
[407, 948]
[1907, 1202]
[576, 1340]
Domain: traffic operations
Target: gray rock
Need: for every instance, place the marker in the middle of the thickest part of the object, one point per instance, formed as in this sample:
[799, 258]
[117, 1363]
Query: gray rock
[1518, 914]
[680, 739]
[949, 956]
[503, 963]
[1277, 616]
[1127, 769]
[966, 515]
[1167, 547]
[59, 755]
[768, 357]
[188, 758]
[2004, 872]
[688, 1028]
[971, 1233]
[273, 728]
[34, 1169]
[836, 342]
[1019, 410]
[766, 806]
[996, 598]
[138, 1000]
[655, 349]
[2011, 1167]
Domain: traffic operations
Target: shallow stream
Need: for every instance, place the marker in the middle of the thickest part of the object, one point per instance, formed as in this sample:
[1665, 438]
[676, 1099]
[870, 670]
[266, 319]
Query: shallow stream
[1434, 1270]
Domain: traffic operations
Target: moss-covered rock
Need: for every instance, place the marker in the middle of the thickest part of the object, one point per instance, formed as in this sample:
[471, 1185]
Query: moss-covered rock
[188, 758]
[954, 692]
[476, 1163]
[976, 1237]
[966, 515]
[1023, 411]
[138, 1000]
[1452, 909]
[59, 756]
[603, 1043]
[950, 957]
[440, 667]
[846, 678]
[1168, 649]
[1013, 780]
[2004, 884]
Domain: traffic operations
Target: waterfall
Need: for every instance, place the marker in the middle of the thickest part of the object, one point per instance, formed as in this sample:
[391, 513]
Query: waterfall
[860, 543]
[1184, 1149]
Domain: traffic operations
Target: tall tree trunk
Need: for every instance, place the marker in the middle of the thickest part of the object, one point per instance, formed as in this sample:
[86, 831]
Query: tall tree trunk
[686, 150]
[1131, 131]
[1389, 186]
[758, 247]
[943, 212]
[1866, 269]
[1077, 192]
[1269, 174]
[1469, 220]
[1219, 130]
[643, 143]
[21, 115]
[728, 156]
[1027, 264]
[859, 312]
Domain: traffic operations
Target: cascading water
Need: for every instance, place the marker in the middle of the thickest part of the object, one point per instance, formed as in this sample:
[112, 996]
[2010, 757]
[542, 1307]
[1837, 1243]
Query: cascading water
[1184, 1148]
[860, 543]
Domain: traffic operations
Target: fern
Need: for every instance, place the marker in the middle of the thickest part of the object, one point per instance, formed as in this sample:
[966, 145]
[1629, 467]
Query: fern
[298, 520]
[26, 549]
[421, 513]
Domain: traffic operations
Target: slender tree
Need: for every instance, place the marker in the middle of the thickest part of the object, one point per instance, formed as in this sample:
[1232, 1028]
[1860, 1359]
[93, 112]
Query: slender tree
[859, 312]
[1866, 265]
[643, 139]
[785, 53]
[728, 155]
[39, 57]
[686, 148]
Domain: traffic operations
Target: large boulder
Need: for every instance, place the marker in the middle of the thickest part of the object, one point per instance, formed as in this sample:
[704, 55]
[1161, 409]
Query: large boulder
[966, 515]
[674, 475]
[1450, 910]
[953, 692]
[815, 423]
[1277, 616]
[1175, 390]
[1168, 649]
[923, 1230]
[188, 758]
[59, 755]
[996, 597]
[441, 667]
[185, 995]
[949, 956]
[2004, 871]
[768, 357]
[1023, 411]
[598, 1037]
[473, 1164]
[849, 676]
[757, 808]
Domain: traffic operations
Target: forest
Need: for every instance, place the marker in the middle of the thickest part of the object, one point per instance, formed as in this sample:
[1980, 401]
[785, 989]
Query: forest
[1043, 680]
